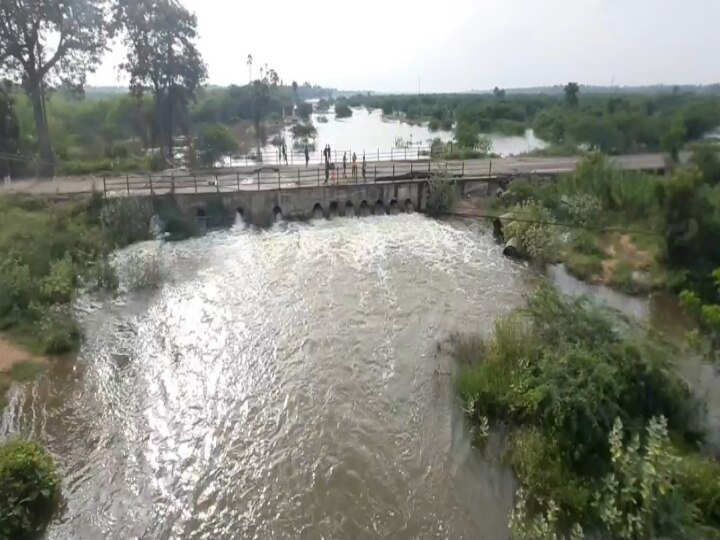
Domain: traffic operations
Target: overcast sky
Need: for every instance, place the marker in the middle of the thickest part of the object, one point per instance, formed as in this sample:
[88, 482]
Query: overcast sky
[456, 45]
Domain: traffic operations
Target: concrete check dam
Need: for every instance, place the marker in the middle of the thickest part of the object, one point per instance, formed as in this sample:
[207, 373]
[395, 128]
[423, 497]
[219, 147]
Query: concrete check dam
[262, 193]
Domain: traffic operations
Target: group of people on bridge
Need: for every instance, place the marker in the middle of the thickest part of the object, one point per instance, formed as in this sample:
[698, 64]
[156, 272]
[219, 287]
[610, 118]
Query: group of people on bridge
[331, 172]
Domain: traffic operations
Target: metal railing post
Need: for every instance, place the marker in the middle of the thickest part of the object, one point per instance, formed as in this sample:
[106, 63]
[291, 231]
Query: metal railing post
[378, 158]
[217, 184]
[127, 183]
[258, 180]
[405, 152]
[391, 154]
[195, 182]
[298, 171]
[318, 175]
[490, 169]
[172, 183]
[237, 175]
[278, 178]
[462, 174]
[411, 170]
[393, 171]
[104, 188]
[375, 173]
[151, 186]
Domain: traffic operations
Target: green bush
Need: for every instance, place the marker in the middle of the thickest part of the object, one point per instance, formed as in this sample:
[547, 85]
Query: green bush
[29, 489]
[442, 195]
[530, 224]
[214, 142]
[127, 220]
[342, 111]
[58, 331]
[559, 372]
[582, 266]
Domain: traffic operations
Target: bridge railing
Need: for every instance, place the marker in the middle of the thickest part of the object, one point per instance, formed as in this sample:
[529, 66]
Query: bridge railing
[296, 156]
[278, 179]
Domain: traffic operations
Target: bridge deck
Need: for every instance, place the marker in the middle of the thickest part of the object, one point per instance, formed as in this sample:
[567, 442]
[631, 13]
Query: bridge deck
[273, 177]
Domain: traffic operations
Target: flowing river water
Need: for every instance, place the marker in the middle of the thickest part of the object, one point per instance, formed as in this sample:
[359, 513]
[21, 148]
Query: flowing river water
[280, 384]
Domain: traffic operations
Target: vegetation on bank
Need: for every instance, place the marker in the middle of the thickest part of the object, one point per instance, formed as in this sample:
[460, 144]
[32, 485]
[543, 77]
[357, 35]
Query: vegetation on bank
[630, 230]
[601, 432]
[29, 489]
[570, 120]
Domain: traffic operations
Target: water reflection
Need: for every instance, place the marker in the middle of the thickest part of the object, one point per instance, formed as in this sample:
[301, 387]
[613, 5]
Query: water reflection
[281, 384]
[368, 132]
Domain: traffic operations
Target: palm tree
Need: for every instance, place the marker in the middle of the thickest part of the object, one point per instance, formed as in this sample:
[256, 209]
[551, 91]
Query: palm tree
[249, 64]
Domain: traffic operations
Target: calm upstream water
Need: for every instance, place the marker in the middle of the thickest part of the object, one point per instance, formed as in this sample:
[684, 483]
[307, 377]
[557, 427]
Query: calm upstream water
[280, 384]
[368, 132]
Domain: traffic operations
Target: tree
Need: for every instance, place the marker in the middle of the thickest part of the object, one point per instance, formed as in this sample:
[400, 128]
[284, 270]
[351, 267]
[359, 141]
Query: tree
[572, 89]
[249, 65]
[9, 130]
[499, 93]
[295, 89]
[47, 42]
[466, 134]
[162, 57]
[673, 140]
[302, 133]
[213, 143]
[342, 111]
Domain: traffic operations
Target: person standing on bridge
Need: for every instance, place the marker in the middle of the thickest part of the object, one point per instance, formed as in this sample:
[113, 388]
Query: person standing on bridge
[364, 164]
[354, 166]
[329, 153]
[344, 164]
[327, 170]
[284, 152]
[307, 155]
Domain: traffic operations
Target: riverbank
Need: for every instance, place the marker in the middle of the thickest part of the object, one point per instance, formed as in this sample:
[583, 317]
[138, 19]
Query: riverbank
[565, 385]
[17, 365]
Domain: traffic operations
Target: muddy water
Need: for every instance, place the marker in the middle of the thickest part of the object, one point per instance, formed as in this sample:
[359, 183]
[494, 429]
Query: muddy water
[280, 384]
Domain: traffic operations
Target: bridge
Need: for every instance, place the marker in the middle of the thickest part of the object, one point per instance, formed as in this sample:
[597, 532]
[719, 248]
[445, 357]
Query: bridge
[263, 192]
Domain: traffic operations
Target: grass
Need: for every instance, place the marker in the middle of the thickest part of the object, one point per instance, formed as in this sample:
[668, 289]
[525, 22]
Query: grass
[26, 370]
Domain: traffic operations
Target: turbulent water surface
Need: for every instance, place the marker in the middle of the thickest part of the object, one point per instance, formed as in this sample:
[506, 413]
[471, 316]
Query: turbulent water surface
[280, 384]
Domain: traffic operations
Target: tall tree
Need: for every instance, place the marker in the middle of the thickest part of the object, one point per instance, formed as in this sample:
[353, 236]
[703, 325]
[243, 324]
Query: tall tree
[295, 89]
[48, 42]
[9, 130]
[162, 58]
[572, 89]
[249, 65]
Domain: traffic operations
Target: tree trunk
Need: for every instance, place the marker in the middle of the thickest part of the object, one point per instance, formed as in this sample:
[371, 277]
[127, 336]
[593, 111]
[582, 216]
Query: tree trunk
[47, 158]
[170, 122]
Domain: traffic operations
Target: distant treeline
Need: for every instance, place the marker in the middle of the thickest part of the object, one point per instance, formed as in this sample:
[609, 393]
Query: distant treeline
[609, 123]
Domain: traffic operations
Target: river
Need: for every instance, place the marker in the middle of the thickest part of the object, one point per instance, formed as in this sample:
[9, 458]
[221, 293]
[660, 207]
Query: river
[280, 384]
[368, 132]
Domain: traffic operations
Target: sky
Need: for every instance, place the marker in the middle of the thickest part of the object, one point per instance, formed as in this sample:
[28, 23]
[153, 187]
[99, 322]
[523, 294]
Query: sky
[455, 45]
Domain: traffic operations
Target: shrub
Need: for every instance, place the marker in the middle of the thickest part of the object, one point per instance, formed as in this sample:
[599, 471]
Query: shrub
[583, 209]
[58, 331]
[213, 143]
[29, 489]
[530, 225]
[584, 267]
[442, 195]
[559, 372]
[142, 270]
[127, 220]
[342, 111]
[59, 285]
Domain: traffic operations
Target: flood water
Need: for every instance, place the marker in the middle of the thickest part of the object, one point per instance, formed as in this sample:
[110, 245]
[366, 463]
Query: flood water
[280, 384]
[367, 132]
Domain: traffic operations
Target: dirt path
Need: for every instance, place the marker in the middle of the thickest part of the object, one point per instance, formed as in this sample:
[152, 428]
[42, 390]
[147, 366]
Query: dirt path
[11, 354]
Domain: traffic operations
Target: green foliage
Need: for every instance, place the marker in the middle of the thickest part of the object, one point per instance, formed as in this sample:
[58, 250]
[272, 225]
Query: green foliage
[583, 266]
[673, 140]
[571, 90]
[126, 220]
[59, 285]
[302, 133]
[705, 158]
[304, 110]
[631, 193]
[530, 225]
[342, 111]
[466, 135]
[558, 373]
[29, 489]
[58, 331]
[26, 370]
[639, 496]
[213, 143]
[442, 195]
